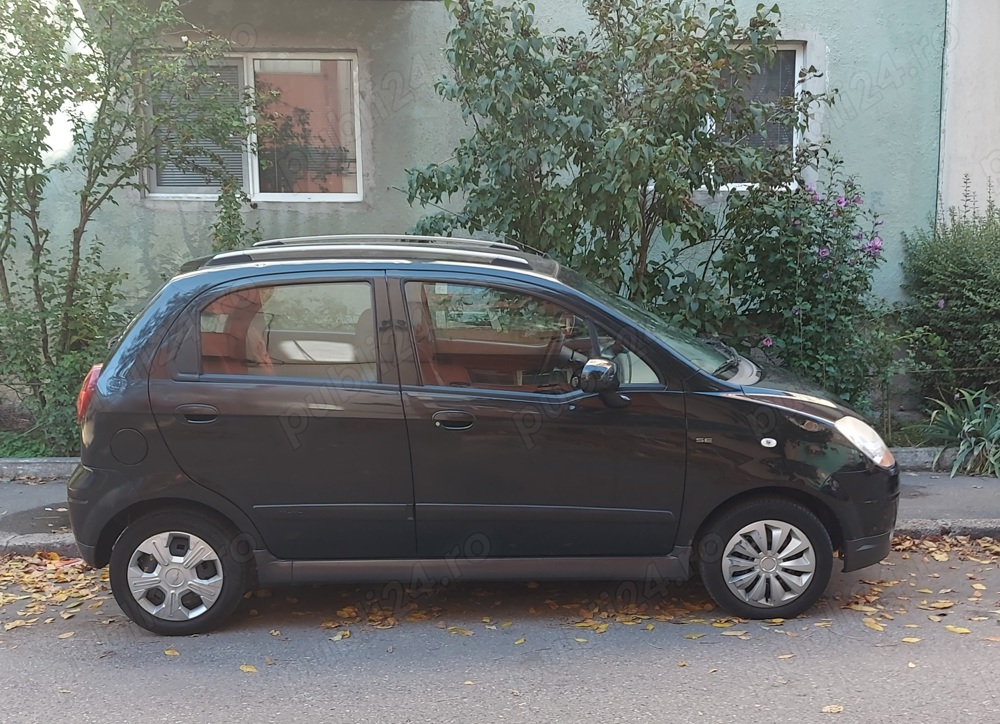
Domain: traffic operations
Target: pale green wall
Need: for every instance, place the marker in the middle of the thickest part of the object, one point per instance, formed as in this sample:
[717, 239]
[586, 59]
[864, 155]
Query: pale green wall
[887, 136]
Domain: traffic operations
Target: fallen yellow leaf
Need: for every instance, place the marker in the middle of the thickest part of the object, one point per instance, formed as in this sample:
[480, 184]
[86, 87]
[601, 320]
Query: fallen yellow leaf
[649, 627]
[693, 636]
[911, 665]
[580, 641]
[682, 663]
[506, 624]
[786, 656]
[519, 641]
[248, 669]
[67, 635]
[341, 635]
[459, 631]
[873, 624]
[911, 640]
[601, 629]
[172, 652]
[958, 629]
[832, 709]
[942, 604]
[734, 633]
[995, 639]
[979, 586]
[275, 632]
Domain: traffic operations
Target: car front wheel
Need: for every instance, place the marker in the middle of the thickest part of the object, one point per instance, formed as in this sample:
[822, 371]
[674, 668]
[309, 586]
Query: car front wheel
[174, 572]
[767, 558]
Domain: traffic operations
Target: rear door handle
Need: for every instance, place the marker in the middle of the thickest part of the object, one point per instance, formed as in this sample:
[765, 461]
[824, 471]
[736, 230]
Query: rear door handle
[453, 419]
[198, 414]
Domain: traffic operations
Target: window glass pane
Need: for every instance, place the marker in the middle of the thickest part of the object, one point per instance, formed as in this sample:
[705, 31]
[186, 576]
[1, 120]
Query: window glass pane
[770, 86]
[170, 176]
[632, 368]
[305, 330]
[485, 337]
[307, 141]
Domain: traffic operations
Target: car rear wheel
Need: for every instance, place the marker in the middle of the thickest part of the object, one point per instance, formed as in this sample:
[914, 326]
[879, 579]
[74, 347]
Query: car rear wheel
[173, 572]
[766, 558]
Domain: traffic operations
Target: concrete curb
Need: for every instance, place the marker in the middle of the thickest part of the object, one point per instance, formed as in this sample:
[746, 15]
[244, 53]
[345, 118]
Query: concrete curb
[26, 545]
[921, 458]
[37, 467]
[973, 527]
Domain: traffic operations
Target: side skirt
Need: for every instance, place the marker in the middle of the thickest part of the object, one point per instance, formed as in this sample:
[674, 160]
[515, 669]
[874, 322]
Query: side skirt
[272, 571]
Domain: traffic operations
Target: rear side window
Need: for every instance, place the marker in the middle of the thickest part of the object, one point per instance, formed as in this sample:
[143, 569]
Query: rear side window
[324, 331]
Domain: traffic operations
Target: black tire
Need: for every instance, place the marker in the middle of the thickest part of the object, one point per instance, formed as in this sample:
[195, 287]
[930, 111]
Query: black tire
[772, 586]
[181, 527]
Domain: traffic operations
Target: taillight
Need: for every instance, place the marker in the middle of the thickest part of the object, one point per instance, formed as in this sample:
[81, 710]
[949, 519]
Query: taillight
[87, 391]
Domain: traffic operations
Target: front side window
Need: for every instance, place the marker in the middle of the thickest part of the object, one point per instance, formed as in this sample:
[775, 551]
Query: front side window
[319, 331]
[494, 338]
[307, 139]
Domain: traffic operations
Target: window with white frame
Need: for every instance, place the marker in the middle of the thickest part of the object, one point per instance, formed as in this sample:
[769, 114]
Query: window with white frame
[769, 86]
[307, 142]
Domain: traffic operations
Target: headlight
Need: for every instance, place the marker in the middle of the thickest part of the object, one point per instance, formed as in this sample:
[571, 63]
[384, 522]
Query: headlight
[865, 439]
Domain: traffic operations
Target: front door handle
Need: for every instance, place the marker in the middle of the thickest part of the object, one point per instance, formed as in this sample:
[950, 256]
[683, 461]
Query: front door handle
[453, 419]
[198, 414]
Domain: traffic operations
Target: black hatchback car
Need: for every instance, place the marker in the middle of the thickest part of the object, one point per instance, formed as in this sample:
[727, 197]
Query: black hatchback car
[411, 408]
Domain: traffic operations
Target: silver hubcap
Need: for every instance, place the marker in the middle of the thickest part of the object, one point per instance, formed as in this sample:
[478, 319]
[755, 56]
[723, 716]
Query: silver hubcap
[175, 576]
[768, 563]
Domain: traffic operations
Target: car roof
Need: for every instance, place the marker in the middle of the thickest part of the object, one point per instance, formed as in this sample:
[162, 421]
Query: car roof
[381, 247]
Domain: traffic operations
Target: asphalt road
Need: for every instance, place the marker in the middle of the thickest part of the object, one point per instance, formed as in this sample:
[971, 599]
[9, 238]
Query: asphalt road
[684, 669]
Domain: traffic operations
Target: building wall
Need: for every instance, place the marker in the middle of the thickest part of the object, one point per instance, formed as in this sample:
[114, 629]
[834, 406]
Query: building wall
[885, 58]
[971, 132]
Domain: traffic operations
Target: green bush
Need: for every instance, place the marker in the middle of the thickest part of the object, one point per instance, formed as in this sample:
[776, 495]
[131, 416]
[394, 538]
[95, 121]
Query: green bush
[952, 276]
[799, 265]
[972, 427]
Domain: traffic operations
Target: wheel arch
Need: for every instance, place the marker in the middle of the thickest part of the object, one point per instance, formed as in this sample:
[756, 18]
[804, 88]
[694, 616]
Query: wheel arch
[116, 525]
[813, 504]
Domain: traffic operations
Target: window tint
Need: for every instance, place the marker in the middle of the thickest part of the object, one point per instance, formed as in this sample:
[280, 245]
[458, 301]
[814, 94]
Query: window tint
[303, 330]
[632, 368]
[486, 337]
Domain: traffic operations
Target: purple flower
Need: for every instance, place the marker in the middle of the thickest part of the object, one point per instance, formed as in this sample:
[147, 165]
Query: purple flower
[859, 236]
[796, 311]
[767, 342]
[824, 252]
[826, 275]
[873, 247]
[842, 201]
[816, 197]
[857, 199]
[940, 304]
[810, 189]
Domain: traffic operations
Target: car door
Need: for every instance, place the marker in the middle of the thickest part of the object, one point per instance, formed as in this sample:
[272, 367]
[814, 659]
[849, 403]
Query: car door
[284, 398]
[508, 459]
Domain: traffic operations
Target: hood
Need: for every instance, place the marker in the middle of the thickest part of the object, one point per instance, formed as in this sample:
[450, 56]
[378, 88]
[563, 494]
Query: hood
[779, 386]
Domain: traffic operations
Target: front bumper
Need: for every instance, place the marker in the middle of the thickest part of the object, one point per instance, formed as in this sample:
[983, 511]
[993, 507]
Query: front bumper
[863, 552]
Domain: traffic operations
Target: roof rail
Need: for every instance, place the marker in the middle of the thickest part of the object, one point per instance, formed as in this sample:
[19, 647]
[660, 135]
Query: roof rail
[457, 252]
[386, 239]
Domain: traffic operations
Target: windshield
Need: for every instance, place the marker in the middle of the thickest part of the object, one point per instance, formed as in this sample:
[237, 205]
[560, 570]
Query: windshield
[694, 350]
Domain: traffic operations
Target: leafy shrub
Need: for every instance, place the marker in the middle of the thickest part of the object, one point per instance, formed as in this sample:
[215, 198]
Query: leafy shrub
[952, 276]
[798, 265]
[972, 427]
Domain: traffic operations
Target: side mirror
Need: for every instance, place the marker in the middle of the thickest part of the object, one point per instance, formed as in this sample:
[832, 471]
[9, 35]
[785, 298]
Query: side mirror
[598, 375]
[601, 376]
